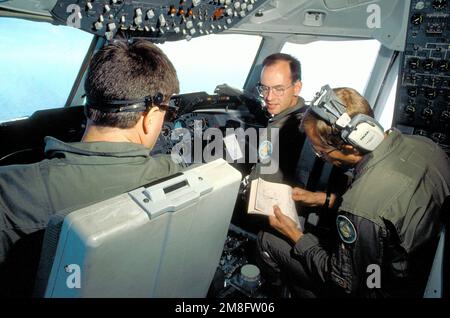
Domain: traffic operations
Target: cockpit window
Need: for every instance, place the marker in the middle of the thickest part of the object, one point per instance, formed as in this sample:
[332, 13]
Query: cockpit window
[338, 63]
[205, 62]
[38, 65]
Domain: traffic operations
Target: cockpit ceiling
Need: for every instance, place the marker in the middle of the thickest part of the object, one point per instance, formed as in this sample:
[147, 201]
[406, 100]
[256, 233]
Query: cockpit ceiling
[297, 20]
[38, 8]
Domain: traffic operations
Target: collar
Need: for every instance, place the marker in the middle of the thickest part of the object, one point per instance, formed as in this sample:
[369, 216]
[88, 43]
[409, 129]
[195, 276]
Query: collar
[288, 111]
[390, 142]
[54, 146]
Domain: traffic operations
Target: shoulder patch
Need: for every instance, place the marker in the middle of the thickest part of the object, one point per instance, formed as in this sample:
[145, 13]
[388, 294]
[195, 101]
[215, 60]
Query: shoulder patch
[346, 229]
[265, 150]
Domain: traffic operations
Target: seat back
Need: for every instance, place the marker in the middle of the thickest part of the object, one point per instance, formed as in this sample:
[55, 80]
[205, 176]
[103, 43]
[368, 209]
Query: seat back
[164, 240]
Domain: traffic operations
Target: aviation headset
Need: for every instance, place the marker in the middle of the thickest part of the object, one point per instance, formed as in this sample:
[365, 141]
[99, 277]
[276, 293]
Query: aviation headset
[116, 106]
[362, 131]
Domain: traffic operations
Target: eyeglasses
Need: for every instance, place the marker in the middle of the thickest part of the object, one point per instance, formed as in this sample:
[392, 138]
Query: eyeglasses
[322, 154]
[277, 90]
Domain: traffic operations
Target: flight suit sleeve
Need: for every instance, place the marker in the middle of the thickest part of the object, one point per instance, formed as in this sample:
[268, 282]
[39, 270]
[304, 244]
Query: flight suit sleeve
[349, 264]
[166, 165]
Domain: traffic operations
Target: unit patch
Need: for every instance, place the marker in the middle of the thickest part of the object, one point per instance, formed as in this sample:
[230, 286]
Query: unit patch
[265, 151]
[346, 229]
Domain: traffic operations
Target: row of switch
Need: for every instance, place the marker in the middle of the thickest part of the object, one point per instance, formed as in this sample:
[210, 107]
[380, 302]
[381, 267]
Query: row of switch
[426, 81]
[427, 113]
[429, 93]
[428, 64]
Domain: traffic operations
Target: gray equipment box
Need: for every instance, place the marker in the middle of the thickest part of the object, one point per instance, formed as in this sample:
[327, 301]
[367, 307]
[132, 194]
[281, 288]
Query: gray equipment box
[162, 241]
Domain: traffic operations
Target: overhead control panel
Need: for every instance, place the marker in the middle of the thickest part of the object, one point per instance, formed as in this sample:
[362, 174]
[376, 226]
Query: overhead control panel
[423, 94]
[158, 20]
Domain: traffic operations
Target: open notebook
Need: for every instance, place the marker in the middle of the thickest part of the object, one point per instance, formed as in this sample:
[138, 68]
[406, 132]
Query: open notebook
[264, 195]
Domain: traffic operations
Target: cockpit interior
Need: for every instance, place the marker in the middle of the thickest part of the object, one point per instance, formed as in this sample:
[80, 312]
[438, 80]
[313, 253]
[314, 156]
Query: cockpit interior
[395, 52]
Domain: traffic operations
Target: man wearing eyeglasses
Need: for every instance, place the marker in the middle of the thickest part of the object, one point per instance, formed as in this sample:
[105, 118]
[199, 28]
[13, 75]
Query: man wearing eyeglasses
[128, 87]
[388, 220]
[280, 85]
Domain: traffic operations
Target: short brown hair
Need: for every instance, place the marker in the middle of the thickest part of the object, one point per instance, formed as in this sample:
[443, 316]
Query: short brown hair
[354, 103]
[124, 71]
[294, 64]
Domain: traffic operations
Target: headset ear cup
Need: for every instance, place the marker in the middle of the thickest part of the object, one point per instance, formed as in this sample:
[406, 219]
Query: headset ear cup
[158, 99]
[364, 133]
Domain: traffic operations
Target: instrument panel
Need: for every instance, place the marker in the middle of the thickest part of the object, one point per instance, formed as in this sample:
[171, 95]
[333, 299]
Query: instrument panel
[156, 20]
[423, 94]
[201, 118]
[173, 132]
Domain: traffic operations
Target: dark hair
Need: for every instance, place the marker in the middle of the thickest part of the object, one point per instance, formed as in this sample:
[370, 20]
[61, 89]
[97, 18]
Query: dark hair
[294, 64]
[123, 71]
[354, 103]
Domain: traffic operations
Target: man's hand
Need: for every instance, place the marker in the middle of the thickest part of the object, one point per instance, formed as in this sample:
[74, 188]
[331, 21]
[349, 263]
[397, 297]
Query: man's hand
[284, 225]
[308, 198]
[312, 199]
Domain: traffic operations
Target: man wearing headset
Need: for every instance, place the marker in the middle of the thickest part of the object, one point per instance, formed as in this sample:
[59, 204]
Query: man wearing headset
[128, 87]
[387, 222]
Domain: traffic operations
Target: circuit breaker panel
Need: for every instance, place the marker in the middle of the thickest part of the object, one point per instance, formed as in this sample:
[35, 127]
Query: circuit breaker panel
[423, 93]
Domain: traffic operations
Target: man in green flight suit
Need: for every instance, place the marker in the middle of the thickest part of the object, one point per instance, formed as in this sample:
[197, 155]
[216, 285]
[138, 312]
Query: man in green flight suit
[387, 222]
[128, 87]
